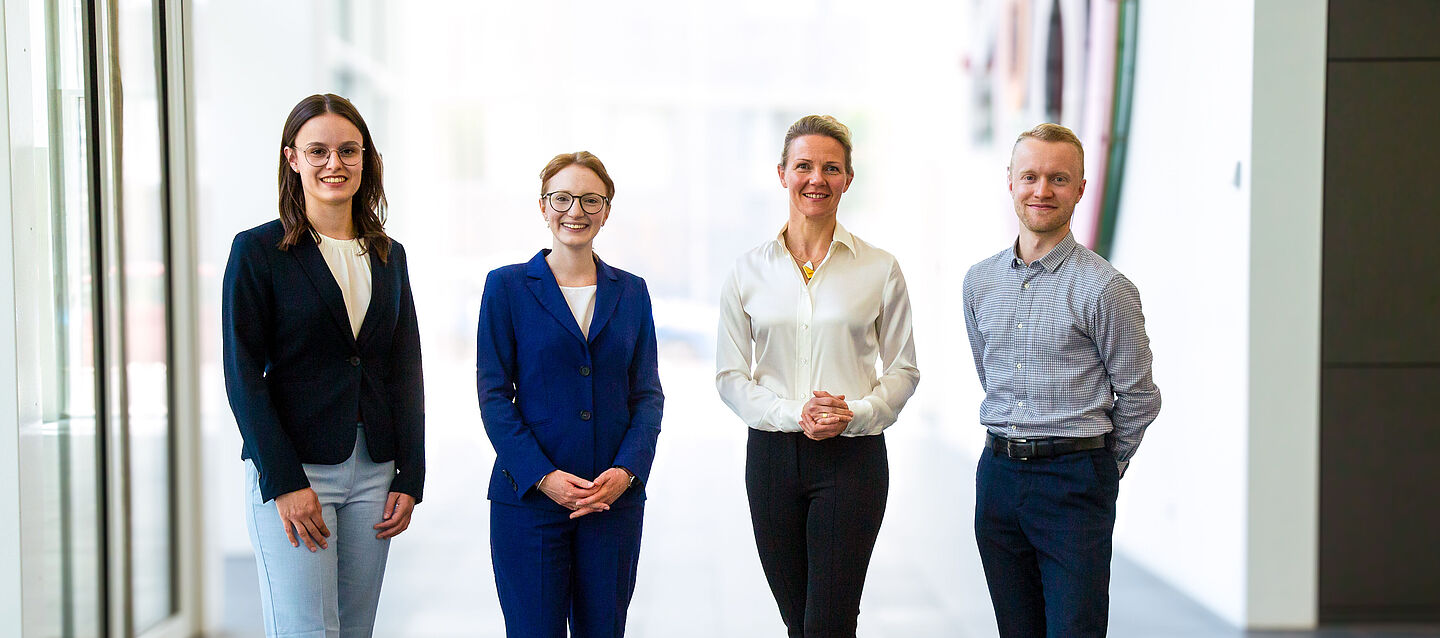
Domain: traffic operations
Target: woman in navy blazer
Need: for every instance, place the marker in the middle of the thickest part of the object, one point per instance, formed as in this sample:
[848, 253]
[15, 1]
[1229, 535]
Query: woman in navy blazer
[322, 368]
[570, 396]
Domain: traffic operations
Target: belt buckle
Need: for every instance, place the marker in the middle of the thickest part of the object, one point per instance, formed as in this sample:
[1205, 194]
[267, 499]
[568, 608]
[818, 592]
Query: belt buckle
[1019, 449]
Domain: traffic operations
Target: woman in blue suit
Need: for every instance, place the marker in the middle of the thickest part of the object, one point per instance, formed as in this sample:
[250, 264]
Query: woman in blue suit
[322, 368]
[570, 397]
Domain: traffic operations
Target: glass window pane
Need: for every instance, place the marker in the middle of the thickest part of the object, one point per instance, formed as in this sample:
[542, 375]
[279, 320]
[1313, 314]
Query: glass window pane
[61, 462]
[144, 222]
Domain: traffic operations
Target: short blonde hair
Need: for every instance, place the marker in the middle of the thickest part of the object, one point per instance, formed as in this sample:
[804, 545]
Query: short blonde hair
[818, 125]
[1049, 132]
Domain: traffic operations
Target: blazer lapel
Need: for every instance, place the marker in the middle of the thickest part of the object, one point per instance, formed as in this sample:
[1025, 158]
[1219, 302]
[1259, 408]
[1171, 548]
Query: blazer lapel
[542, 284]
[380, 295]
[313, 263]
[607, 296]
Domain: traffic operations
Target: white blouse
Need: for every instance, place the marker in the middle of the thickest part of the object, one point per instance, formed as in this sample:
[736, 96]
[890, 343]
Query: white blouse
[352, 272]
[780, 338]
[582, 304]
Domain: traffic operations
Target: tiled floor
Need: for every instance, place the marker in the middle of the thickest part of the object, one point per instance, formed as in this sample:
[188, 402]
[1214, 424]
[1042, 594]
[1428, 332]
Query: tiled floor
[699, 575]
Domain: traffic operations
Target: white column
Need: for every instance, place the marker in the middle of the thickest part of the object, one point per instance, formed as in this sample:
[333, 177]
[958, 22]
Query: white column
[1286, 201]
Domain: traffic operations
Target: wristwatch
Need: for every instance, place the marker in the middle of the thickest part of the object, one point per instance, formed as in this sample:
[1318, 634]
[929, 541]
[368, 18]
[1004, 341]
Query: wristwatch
[629, 473]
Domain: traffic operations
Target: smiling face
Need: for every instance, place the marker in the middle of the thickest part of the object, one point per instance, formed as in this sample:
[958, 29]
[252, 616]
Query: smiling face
[1046, 181]
[333, 183]
[815, 175]
[574, 228]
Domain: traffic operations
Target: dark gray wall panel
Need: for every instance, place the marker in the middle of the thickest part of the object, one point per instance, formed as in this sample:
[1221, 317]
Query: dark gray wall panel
[1381, 264]
[1384, 28]
[1380, 495]
[1380, 325]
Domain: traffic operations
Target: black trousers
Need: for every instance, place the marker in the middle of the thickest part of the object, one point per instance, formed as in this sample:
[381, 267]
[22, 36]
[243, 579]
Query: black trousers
[1044, 530]
[816, 507]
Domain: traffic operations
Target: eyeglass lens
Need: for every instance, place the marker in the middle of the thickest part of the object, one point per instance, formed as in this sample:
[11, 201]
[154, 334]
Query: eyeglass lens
[318, 155]
[591, 203]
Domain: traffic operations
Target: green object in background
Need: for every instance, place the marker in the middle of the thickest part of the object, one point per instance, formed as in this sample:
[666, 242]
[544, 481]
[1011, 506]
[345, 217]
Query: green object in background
[1119, 125]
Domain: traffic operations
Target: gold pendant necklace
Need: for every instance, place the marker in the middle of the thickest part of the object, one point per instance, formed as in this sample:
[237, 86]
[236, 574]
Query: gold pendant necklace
[806, 266]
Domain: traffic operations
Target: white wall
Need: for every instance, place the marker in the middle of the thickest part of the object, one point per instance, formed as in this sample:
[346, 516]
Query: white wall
[1220, 500]
[1183, 237]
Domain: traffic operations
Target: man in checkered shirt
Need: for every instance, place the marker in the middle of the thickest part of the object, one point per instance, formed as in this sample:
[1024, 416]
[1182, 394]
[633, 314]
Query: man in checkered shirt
[1060, 347]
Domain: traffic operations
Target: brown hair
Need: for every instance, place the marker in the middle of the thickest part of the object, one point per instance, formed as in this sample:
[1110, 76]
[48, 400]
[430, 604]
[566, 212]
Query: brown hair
[818, 125]
[367, 208]
[1048, 132]
[583, 158]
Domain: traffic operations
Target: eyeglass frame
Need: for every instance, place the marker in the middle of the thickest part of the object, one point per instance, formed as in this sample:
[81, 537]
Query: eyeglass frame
[575, 198]
[331, 151]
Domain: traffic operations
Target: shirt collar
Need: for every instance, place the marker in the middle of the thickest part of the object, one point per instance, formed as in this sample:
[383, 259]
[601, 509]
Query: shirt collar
[1052, 260]
[841, 235]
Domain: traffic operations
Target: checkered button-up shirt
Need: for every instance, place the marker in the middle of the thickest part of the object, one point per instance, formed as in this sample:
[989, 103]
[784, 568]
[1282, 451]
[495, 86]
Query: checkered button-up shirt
[1060, 348]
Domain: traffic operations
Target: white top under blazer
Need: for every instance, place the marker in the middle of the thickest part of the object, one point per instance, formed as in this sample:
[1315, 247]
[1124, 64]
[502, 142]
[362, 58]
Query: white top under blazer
[351, 269]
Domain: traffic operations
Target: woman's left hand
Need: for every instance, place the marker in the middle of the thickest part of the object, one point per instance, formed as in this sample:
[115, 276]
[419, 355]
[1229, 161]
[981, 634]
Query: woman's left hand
[825, 415]
[398, 508]
[608, 486]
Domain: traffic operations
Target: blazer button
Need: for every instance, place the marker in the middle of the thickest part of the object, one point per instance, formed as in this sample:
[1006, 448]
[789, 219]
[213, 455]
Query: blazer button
[584, 371]
[355, 361]
[584, 415]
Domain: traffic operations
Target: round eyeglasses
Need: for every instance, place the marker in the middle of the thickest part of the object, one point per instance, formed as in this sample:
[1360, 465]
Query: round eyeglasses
[562, 201]
[319, 155]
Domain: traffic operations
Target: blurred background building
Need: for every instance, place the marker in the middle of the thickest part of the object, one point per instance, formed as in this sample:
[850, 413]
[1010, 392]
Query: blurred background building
[1260, 168]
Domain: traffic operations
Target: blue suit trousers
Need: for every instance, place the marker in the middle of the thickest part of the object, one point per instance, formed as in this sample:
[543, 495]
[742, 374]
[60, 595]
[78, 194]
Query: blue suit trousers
[551, 570]
[1044, 529]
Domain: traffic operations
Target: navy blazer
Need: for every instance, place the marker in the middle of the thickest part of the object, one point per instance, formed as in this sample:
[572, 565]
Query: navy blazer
[298, 378]
[552, 399]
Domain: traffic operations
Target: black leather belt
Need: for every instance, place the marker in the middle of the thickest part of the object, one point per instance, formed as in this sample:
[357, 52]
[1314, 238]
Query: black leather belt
[1041, 448]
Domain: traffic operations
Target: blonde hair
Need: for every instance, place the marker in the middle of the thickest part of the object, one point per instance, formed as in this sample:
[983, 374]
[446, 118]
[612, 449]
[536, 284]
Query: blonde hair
[1049, 132]
[818, 125]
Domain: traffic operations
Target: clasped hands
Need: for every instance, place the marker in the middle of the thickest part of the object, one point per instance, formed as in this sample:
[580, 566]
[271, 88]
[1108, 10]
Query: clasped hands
[583, 497]
[825, 415]
[302, 518]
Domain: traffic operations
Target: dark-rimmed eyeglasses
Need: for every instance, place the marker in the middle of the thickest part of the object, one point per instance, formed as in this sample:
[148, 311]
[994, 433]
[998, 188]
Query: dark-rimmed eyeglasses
[318, 155]
[562, 201]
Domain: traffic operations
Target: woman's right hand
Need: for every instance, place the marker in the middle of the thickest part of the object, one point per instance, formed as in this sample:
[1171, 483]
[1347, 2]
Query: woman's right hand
[825, 415]
[567, 490]
[300, 515]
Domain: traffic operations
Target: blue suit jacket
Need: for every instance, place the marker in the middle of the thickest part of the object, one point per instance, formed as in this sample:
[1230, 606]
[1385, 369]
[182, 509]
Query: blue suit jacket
[552, 399]
[297, 376]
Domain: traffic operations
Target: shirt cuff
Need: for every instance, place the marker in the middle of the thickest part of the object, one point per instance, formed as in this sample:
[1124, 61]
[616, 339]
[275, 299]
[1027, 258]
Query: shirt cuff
[864, 418]
[784, 416]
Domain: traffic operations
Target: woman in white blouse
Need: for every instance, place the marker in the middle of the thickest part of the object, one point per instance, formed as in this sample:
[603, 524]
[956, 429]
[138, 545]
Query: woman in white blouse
[803, 319]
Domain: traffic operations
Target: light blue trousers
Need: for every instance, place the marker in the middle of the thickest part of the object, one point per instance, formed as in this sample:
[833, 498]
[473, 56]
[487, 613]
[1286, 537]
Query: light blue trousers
[330, 593]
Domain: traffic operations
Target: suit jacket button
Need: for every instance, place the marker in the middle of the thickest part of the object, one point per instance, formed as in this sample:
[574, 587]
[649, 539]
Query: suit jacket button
[584, 415]
[584, 371]
[355, 361]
